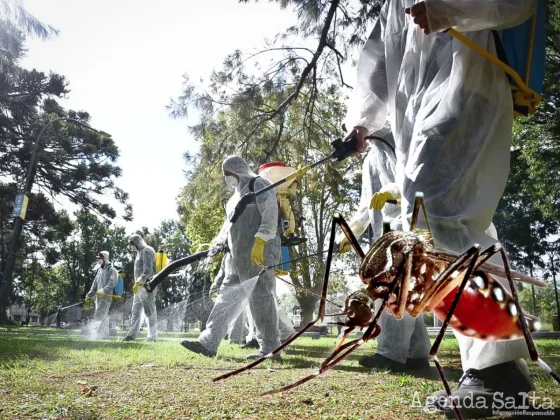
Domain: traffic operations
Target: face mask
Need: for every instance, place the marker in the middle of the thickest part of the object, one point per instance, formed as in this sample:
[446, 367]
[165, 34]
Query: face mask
[231, 181]
[132, 248]
[100, 262]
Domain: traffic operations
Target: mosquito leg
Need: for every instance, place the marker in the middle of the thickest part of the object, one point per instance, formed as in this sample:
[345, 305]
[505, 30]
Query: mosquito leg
[471, 255]
[338, 219]
[419, 203]
[349, 347]
[533, 353]
[338, 355]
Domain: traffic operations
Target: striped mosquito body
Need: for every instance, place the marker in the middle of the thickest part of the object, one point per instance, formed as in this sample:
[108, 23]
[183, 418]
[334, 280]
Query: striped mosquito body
[409, 275]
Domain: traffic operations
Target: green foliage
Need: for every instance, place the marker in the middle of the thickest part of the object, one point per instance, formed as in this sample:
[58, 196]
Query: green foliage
[545, 302]
[72, 161]
[54, 262]
[44, 226]
[520, 221]
[43, 287]
[200, 205]
[536, 139]
[260, 87]
[77, 254]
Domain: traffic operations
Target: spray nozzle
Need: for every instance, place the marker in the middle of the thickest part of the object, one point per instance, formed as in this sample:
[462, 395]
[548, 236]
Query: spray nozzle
[344, 149]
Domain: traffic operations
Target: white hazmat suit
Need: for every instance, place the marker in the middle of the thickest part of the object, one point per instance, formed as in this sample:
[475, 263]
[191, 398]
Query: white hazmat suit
[143, 302]
[104, 282]
[451, 114]
[258, 220]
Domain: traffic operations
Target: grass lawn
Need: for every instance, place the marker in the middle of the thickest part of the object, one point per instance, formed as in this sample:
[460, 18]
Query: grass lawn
[49, 373]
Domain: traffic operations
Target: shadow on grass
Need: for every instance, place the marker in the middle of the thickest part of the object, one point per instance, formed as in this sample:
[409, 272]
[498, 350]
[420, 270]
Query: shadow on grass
[293, 360]
[37, 346]
[289, 363]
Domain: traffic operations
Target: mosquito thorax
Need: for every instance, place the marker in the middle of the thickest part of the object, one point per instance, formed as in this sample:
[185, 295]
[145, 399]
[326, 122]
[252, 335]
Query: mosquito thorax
[387, 255]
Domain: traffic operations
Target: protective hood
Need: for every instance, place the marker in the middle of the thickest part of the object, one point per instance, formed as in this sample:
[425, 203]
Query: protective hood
[137, 240]
[105, 255]
[239, 167]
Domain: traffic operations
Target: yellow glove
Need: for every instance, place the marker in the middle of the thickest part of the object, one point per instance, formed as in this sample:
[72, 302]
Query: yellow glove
[344, 245]
[87, 300]
[257, 253]
[100, 293]
[379, 199]
[136, 287]
[281, 272]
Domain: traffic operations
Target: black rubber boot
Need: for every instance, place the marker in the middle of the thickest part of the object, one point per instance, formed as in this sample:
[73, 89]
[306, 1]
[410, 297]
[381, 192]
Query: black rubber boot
[198, 348]
[253, 344]
[481, 393]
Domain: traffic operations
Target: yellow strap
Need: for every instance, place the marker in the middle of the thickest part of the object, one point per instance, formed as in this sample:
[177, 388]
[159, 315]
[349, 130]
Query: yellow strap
[491, 57]
[529, 94]
[530, 56]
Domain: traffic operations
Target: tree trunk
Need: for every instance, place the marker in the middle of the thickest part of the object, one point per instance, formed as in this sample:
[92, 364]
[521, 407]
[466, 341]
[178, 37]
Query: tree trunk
[307, 304]
[554, 282]
[533, 292]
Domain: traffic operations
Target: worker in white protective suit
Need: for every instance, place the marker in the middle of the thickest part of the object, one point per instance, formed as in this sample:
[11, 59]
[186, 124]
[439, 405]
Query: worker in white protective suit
[451, 115]
[402, 345]
[143, 302]
[102, 288]
[253, 239]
